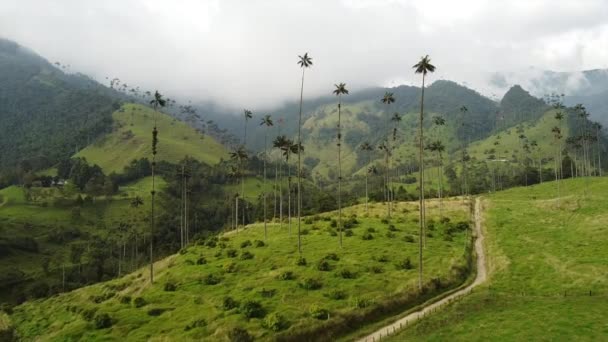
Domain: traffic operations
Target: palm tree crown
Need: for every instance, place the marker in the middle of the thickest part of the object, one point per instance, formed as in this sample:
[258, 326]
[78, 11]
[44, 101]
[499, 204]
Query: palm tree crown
[424, 66]
[267, 121]
[388, 98]
[340, 89]
[305, 61]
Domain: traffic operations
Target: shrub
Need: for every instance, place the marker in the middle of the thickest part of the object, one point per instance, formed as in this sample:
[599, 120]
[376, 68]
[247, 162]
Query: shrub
[350, 223]
[231, 253]
[390, 235]
[323, 265]
[392, 228]
[371, 230]
[157, 311]
[245, 243]
[409, 238]
[332, 256]
[376, 269]
[102, 321]
[347, 274]
[268, 293]
[252, 309]
[311, 284]
[308, 220]
[195, 324]
[429, 234]
[275, 322]
[239, 335]
[301, 261]
[337, 295]
[333, 223]
[348, 232]
[287, 275]
[211, 243]
[189, 262]
[367, 236]
[230, 267]
[211, 279]
[228, 303]
[444, 220]
[201, 261]
[89, 314]
[170, 287]
[362, 303]
[326, 218]
[383, 258]
[222, 245]
[139, 302]
[259, 243]
[318, 312]
[447, 237]
[125, 300]
[406, 264]
[384, 220]
[304, 231]
[246, 255]
[333, 232]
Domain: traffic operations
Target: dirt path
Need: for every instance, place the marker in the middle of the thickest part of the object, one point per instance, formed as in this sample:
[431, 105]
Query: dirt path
[414, 316]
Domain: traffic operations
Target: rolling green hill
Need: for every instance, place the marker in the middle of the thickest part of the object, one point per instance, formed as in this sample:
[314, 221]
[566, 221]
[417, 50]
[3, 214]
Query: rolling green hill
[41, 226]
[207, 290]
[131, 138]
[547, 270]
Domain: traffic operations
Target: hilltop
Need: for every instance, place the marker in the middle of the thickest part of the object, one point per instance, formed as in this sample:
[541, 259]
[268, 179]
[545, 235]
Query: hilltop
[131, 138]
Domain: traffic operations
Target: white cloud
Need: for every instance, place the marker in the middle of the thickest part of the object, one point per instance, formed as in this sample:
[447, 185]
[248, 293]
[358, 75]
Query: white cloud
[244, 53]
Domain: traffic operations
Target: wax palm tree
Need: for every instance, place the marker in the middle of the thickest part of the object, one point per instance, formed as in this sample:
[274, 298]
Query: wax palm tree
[423, 67]
[156, 102]
[368, 148]
[304, 62]
[465, 188]
[387, 99]
[266, 121]
[339, 91]
[239, 155]
[395, 119]
[438, 147]
[247, 114]
[557, 134]
[280, 142]
[598, 128]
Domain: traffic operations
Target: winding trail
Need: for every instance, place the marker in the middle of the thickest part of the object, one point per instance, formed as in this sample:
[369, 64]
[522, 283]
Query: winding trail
[416, 315]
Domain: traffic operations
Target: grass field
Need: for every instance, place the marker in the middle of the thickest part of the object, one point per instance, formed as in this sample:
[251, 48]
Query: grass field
[132, 136]
[52, 212]
[189, 298]
[548, 270]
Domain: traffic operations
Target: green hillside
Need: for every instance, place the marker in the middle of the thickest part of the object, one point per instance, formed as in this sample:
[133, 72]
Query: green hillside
[239, 281]
[41, 225]
[547, 265]
[131, 139]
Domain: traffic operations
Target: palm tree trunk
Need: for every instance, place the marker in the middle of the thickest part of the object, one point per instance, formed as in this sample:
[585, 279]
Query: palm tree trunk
[339, 172]
[300, 164]
[421, 186]
[236, 212]
[264, 193]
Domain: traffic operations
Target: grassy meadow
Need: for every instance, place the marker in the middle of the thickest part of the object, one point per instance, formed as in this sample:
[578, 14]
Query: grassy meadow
[242, 280]
[132, 136]
[548, 266]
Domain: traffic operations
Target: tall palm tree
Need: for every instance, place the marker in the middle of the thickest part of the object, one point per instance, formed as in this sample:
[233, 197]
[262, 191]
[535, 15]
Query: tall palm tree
[598, 129]
[157, 101]
[239, 155]
[280, 142]
[266, 121]
[367, 147]
[437, 146]
[557, 134]
[465, 188]
[423, 67]
[304, 62]
[339, 91]
[395, 119]
[387, 99]
[247, 114]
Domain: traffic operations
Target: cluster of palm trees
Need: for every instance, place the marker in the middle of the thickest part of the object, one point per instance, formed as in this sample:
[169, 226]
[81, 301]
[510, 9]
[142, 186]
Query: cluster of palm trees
[288, 147]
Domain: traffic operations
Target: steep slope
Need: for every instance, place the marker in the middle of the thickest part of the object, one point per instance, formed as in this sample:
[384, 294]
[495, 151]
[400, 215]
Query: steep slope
[207, 290]
[46, 114]
[131, 138]
[517, 105]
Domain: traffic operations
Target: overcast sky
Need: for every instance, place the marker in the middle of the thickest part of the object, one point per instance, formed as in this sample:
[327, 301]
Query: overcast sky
[243, 53]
